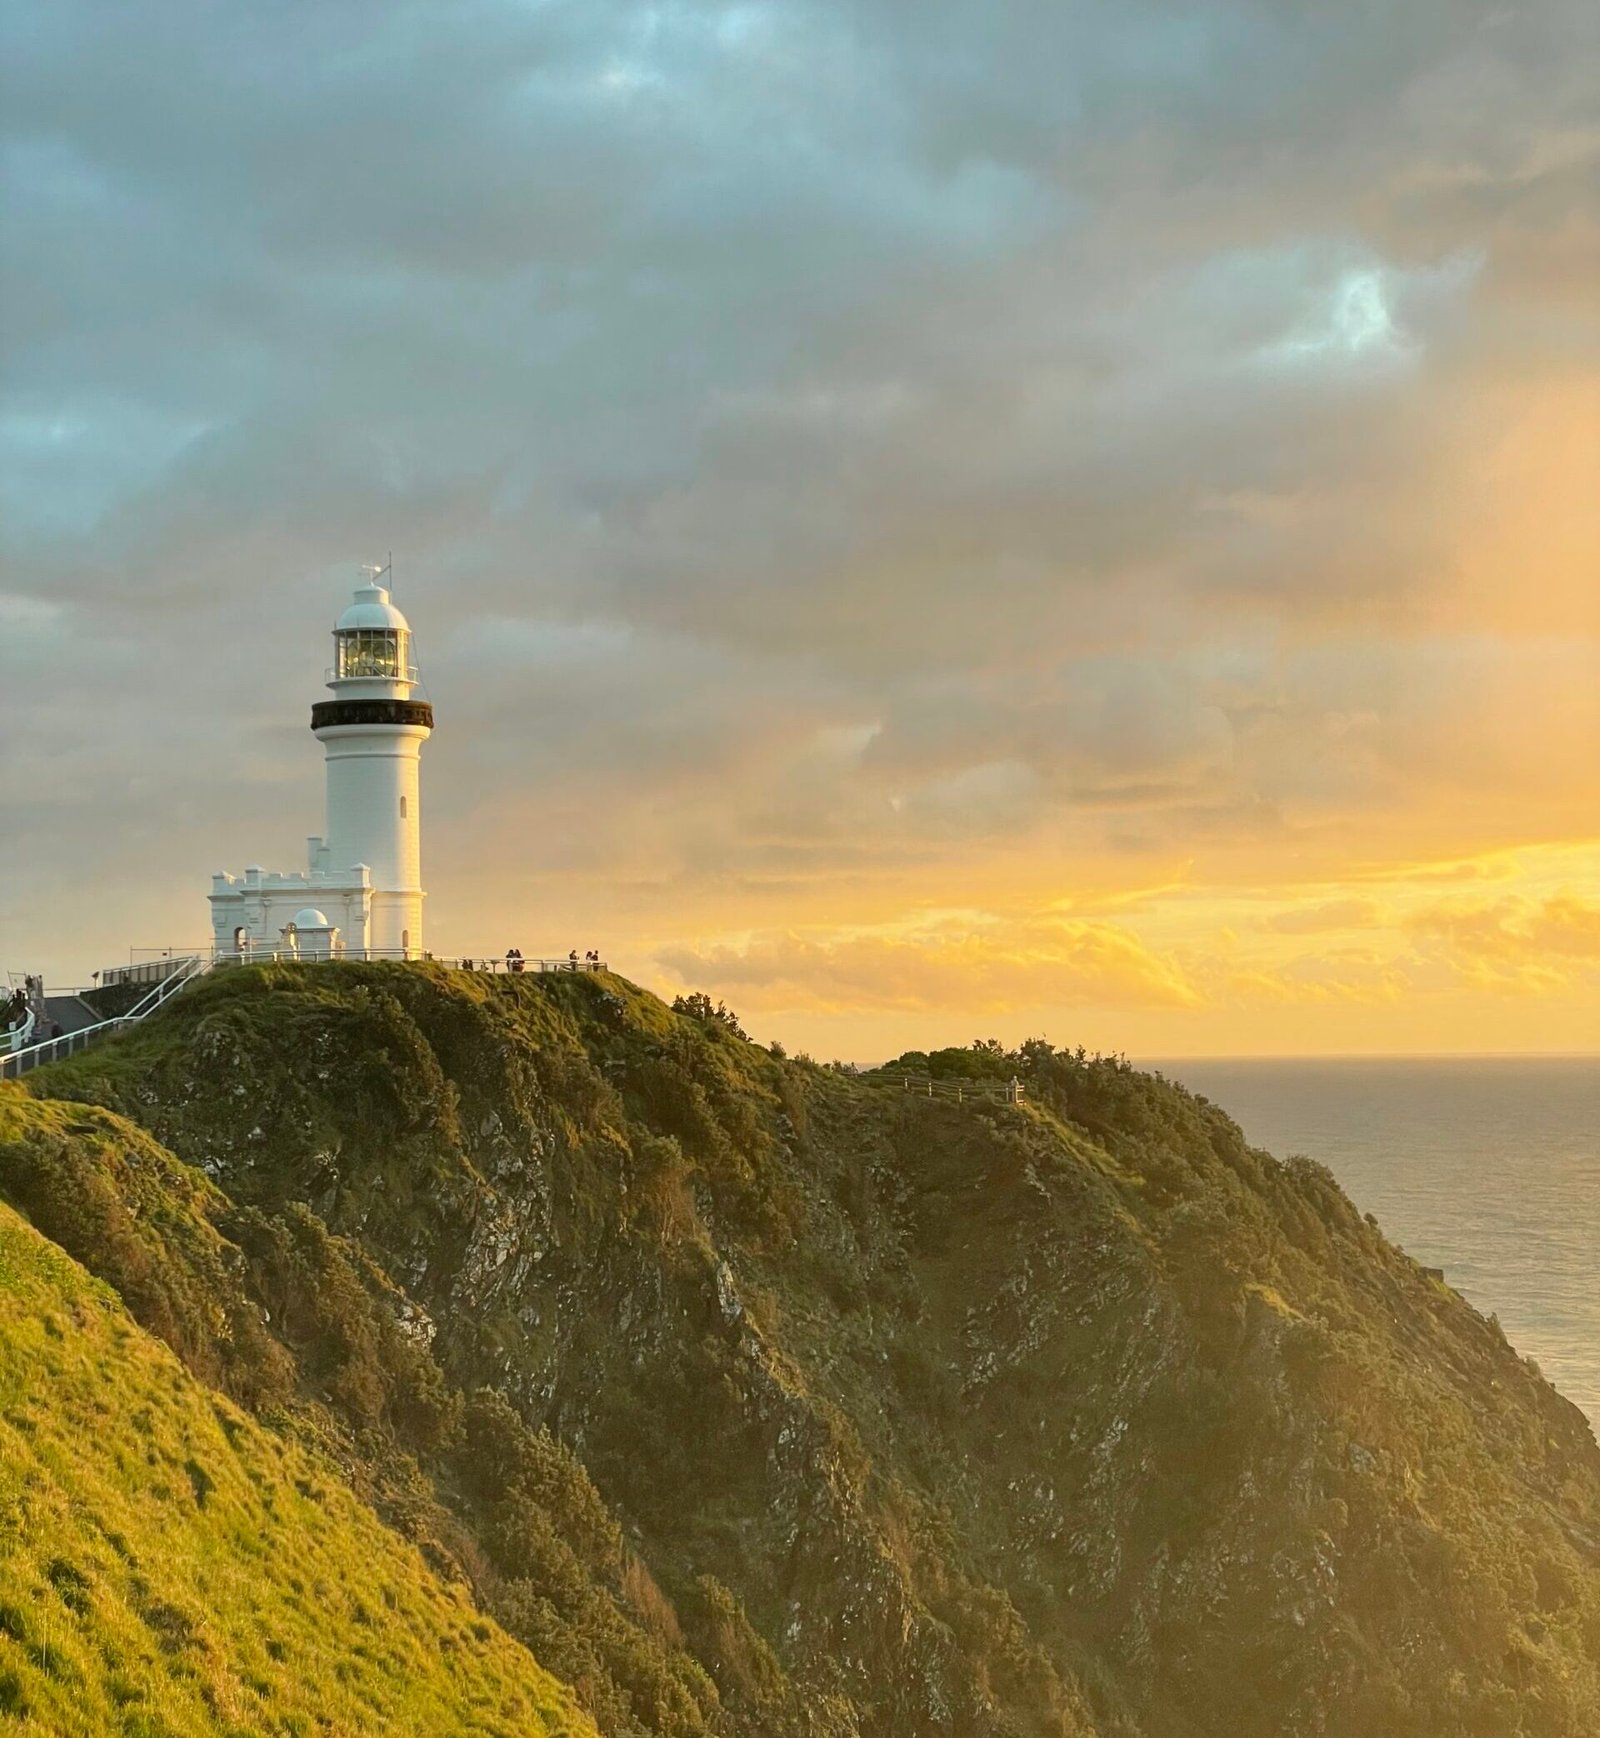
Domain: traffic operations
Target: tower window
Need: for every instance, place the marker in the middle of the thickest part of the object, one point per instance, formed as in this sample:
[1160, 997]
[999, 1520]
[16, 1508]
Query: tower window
[380, 652]
[402, 808]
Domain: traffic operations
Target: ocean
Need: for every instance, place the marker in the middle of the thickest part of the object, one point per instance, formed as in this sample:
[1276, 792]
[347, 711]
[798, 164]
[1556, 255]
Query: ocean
[1488, 1167]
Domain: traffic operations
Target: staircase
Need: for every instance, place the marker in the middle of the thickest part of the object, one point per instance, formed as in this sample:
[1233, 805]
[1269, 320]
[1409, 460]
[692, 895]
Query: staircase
[70, 1013]
[86, 1028]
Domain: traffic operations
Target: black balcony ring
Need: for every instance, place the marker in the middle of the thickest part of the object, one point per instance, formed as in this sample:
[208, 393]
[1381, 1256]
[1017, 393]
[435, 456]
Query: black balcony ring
[327, 713]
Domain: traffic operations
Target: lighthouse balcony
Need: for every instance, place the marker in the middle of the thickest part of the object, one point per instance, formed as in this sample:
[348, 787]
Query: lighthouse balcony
[368, 710]
[407, 673]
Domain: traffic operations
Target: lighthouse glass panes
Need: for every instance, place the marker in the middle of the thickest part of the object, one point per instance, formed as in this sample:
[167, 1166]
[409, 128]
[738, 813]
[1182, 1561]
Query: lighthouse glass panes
[377, 652]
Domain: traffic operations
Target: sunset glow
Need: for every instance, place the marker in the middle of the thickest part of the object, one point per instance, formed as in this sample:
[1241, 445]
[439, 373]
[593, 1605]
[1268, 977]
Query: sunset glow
[912, 546]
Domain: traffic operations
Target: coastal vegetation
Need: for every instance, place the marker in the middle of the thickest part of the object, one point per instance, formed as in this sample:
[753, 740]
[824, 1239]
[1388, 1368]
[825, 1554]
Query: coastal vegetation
[757, 1398]
[171, 1567]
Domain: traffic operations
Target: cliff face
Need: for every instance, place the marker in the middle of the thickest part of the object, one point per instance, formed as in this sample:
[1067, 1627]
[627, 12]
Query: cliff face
[762, 1400]
[133, 1501]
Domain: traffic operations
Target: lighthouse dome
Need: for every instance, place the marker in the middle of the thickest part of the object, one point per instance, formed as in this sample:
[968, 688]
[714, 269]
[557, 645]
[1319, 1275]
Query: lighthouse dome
[308, 917]
[372, 608]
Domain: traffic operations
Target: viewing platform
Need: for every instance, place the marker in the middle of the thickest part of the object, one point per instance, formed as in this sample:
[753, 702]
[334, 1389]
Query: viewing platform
[153, 965]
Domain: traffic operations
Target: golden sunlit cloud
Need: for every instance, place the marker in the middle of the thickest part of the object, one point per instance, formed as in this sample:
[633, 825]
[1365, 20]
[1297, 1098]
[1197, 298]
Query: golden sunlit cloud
[985, 970]
[1332, 914]
[1520, 944]
[1187, 964]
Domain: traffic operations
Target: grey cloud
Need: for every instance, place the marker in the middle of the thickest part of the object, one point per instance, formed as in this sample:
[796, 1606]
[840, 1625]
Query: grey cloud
[965, 390]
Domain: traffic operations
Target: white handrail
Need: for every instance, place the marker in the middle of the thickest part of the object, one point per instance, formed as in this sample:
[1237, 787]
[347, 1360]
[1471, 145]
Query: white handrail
[185, 971]
[309, 952]
[53, 1049]
[311, 955]
[195, 965]
[19, 1062]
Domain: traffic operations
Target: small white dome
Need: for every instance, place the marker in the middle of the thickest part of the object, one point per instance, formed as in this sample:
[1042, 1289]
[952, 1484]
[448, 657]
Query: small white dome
[311, 918]
[373, 608]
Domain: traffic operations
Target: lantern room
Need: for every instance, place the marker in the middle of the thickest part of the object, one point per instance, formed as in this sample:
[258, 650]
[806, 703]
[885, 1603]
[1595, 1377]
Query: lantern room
[372, 641]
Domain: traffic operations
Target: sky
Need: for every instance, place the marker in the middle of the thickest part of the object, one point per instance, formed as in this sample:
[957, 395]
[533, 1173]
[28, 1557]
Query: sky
[923, 521]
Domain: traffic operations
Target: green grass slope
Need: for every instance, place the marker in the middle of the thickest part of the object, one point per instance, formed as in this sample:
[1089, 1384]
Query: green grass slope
[171, 1569]
[761, 1401]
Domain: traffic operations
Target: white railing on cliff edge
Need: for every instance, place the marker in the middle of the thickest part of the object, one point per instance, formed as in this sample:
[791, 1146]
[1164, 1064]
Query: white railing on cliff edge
[156, 962]
[184, 973]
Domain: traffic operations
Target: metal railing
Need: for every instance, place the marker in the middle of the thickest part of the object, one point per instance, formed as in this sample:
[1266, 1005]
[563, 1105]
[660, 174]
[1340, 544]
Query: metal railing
[498, 963]
[171, 972]
[19, 1037]
[961, 1091]
[159, 965]
[400, 673]
[312, 951]
[19, 1062]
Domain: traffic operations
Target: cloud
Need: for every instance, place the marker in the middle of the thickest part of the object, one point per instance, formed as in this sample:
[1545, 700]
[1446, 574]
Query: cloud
[1332, 914]
[1319, 981]
[839, 461]
[997, 966]
[1516, 943]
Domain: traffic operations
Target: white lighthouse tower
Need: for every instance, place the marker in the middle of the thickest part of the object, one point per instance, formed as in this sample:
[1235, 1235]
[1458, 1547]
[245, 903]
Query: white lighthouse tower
[366, 870]
[373, 735]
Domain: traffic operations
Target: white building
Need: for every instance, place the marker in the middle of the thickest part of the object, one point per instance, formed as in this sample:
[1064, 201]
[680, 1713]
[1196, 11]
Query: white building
[361, 892]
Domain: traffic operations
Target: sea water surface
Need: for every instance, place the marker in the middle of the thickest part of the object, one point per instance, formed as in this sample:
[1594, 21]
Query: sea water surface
[1488, 1167]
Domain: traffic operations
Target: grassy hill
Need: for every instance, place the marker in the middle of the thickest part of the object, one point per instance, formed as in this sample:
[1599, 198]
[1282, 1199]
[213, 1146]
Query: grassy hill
[759, 1400]
[169, 1568]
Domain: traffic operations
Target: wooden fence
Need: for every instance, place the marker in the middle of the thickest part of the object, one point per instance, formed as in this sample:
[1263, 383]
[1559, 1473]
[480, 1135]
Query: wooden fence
[961, 1091]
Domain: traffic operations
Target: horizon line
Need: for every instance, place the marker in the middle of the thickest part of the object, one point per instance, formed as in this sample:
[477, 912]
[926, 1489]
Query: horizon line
[1385, 1056]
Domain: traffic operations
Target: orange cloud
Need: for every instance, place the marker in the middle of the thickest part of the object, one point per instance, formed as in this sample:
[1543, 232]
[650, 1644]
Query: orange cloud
[987, 969]
[1519, 944]
[1166, 962]
[1333, 914]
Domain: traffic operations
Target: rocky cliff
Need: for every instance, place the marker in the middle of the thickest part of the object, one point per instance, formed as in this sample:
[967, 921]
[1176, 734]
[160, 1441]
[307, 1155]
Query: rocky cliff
[758, 1399]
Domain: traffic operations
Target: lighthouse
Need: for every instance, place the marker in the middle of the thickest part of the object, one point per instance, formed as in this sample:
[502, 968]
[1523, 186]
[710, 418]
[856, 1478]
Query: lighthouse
[361, 892]
[372, 734]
